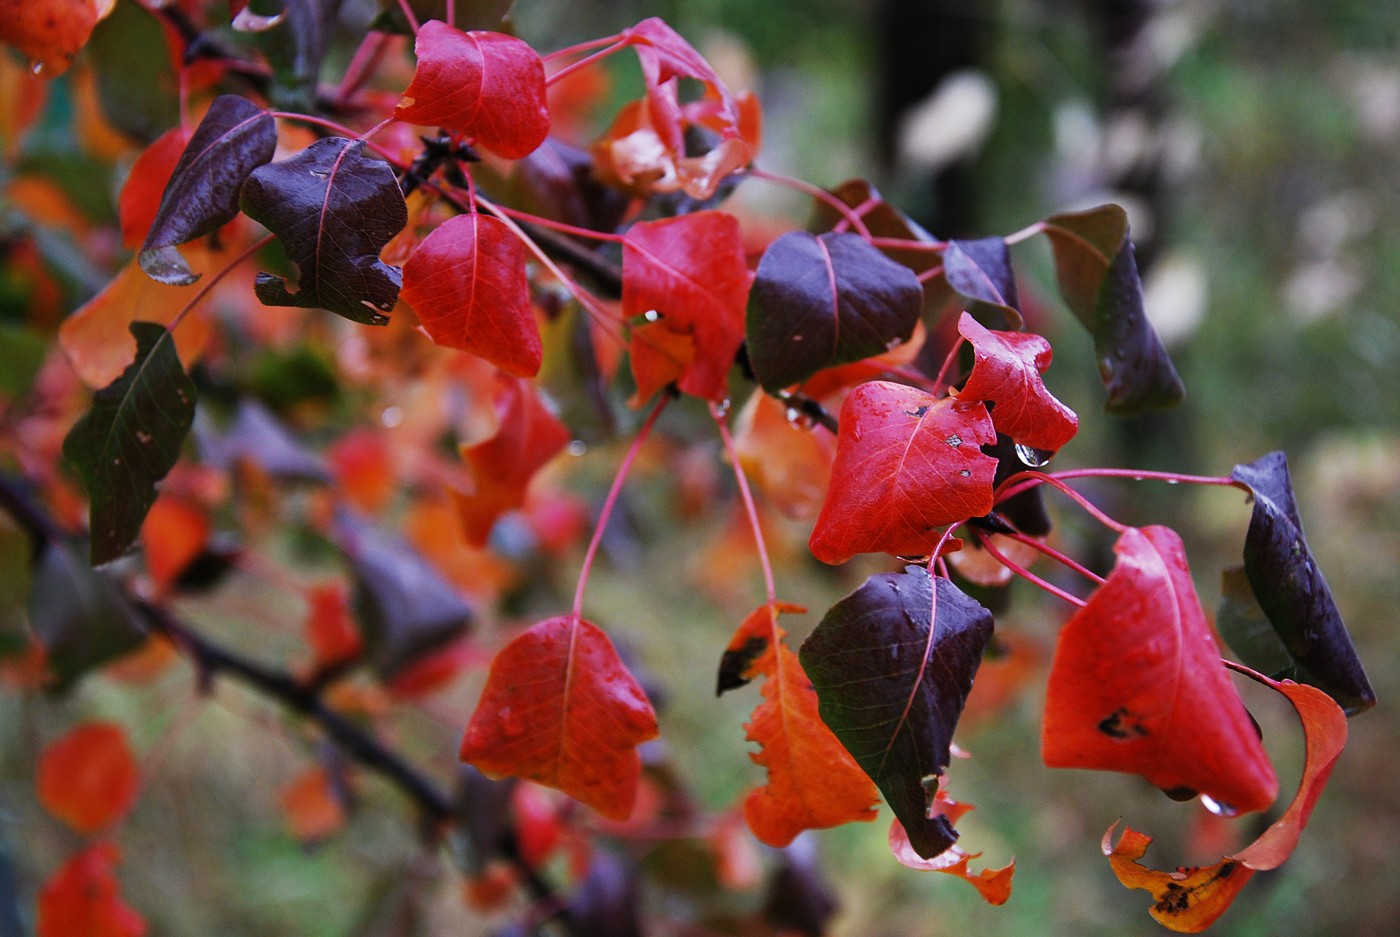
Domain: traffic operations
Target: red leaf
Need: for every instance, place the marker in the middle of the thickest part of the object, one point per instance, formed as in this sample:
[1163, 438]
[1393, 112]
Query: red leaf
[1137, 685]
[994, 885]
[487, 85]
[329, 629]
[467, 284]
[527, 436]
[813, 782]
[81, 899]
[88, 778]
[906, 464]
[141, 194]
[1187, 900]
[561, 709]
[665, 56]
[50, 32]
[690, 271]
[1006, 372]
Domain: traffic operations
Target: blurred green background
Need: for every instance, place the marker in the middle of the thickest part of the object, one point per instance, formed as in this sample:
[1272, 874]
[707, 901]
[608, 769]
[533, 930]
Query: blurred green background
[1255, 144]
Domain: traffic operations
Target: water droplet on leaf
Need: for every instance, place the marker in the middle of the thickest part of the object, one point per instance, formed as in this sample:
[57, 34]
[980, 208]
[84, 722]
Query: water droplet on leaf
[1032, 457]
[1216, 807]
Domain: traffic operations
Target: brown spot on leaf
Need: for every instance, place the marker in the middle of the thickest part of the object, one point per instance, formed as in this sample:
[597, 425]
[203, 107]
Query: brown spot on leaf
[1121, 724]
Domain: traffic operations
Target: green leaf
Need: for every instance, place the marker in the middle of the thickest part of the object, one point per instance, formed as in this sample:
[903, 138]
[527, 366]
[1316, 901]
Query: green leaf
[130, 439]
[78, 615]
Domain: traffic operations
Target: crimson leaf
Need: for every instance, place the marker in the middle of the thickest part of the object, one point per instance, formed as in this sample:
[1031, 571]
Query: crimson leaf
[1291, 590]
[334, 209]
[822, 301]
[234, 138]
[1098, 278]
[892, 688]
[980, 270]
[130, 439]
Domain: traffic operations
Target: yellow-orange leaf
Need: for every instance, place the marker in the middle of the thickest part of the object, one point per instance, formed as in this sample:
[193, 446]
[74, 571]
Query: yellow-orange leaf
[813, 782]
[88, 778]
[994, 885]
[1187, 900]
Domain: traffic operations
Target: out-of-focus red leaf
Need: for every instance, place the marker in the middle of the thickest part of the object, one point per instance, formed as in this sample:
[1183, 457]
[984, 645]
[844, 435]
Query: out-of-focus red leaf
[1006, 372]
[21, 101]
[538, 826]
[89, 778]
[435, 670]
[689, 275]
[907, 463]
[487, 85]
[994, 885]
[466, 282]
[363, 469]
[738, 865]
[146, 182]
[50, 32]
[330, 630]
[561, 709]
[528, 435]
[660, 357]
[81, 899]
[813, 782]
[788, 462]
[1137, 685]
[174, 533]
[1187, 900]
[312, 805]
[558, 520]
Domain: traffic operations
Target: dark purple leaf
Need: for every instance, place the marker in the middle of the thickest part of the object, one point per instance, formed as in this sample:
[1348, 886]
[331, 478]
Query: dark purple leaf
[799, 899]
[892, 690]
[255, 435]
[483, 807]
[234, 138]
[1291, 590]
[606, 902]
[557, 181]
[405, 608]
[130, 439]
[980, 270]
[1098, 278]
[882, 220]
[823, 301]
[334, 209]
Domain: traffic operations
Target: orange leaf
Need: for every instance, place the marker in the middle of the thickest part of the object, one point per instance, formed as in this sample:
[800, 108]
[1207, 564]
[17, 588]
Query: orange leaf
[660, 356]
[363, 468]
[81, 899]
[145, 184]
[174, 533]
[88, 778]
[21, 100]
[1187, 900]
[789, 463]
[813, 782]
[329, 629]
[994, 885]
[314, 808]
[561, 709]
[50, 32]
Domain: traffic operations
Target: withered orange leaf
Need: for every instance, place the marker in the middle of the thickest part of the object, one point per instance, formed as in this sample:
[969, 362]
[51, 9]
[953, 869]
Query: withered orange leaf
[528, 435]
[1137, 685]
[88, 778]
[813, 782]
[561, 709]
[907, 463]
[81, 899]
[1187, 900]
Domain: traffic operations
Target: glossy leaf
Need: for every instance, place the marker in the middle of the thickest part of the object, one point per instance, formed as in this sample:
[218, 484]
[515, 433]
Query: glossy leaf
[405, 607]
[141, 193]
[82, 898]
[79, 616]
[1098, 278]
[528, 435]
[333, 209]
[485, 85]
[50, 33]
[1006, 372]
[994, 885]
[691, 273]
[1292, 591]
[980, 270]
[1186, 901]
[1137, 685]
[130, 439]
[813, 782]
[823, 301]
[466, 281]
[88, 778]
[234, 138]
[907, 463]
[561, 709]
[892, 664]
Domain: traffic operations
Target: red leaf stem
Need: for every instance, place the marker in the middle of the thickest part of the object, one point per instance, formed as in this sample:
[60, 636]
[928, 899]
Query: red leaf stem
[1025, 481]
[1024, 573]
[816, 192]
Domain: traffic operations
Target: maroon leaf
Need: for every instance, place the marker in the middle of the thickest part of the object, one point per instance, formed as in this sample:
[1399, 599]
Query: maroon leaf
[1006, 372]
[980, 270]
[334, 209]
[234, 138]
[1291, 590]
[466, 281]
[486, 85]
[892, 688]
[823, 301]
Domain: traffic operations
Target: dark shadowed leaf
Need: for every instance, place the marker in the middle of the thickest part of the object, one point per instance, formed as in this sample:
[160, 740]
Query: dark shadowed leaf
[138, 93]
[822, 301]
[799, 899]
[980, 270]
[1098, 278]
[333, 209]
[295, 45]
[255, 435]
[78, 615]
[1291, 589]
[130, 439]
[558, 182]
[234, 138]
[405, 607]
[892, 688]
[1025, 511]
[605, 904]
[483, 807]
[1248, 631]
[15, 572]
[469, 14]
